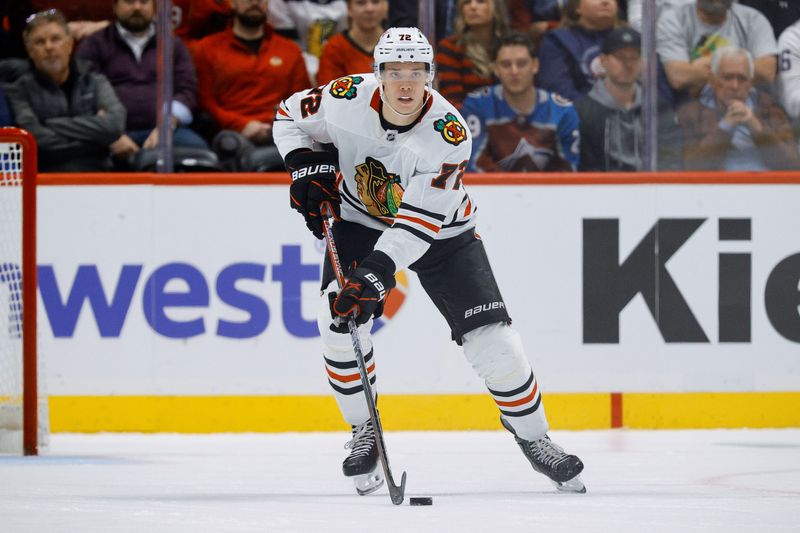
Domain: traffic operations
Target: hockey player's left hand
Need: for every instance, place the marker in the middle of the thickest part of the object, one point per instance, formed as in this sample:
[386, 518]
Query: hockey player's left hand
[365, 289]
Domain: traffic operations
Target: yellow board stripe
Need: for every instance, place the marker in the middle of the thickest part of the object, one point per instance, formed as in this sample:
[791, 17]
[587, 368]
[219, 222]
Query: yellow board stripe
[711, 410]
[213, 414]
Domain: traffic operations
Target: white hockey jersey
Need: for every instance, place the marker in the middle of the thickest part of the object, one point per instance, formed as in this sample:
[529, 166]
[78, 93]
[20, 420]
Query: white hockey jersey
[406, 182]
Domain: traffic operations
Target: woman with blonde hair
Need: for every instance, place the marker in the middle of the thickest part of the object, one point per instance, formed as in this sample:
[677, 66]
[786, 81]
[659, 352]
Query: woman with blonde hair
[463, 59]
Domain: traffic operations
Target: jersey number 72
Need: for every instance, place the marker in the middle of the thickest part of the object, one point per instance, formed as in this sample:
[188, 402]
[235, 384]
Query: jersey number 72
[310, 104]
[440, 181]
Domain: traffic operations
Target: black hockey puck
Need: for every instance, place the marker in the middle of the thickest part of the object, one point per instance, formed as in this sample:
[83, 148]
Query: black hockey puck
[420, 501]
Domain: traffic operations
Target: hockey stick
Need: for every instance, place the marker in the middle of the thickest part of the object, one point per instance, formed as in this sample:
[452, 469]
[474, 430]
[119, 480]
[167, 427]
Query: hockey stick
[395, 493]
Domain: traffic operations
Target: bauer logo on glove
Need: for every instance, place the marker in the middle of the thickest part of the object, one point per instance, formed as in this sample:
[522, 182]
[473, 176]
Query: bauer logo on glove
[313, 171]
[365, 290]
[376, 284]
[314, 182]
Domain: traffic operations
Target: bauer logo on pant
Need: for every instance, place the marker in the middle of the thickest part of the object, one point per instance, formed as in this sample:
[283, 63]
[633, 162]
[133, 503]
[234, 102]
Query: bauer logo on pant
[485, 307]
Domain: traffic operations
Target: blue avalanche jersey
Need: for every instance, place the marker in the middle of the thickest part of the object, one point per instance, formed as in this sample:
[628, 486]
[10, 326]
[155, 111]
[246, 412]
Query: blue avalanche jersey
[545, 140]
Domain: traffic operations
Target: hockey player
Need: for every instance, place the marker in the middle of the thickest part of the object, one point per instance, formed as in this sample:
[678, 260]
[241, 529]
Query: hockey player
[395, 184]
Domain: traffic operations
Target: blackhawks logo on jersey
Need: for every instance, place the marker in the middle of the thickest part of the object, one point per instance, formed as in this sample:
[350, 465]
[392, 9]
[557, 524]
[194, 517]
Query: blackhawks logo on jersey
[345, 87]
[379, 190]
[451, 129]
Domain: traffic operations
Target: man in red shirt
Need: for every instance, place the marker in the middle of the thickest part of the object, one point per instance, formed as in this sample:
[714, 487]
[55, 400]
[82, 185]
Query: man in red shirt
[245, 71]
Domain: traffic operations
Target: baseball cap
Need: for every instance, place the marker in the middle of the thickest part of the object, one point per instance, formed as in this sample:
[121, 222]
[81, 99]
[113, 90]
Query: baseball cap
[622, 38]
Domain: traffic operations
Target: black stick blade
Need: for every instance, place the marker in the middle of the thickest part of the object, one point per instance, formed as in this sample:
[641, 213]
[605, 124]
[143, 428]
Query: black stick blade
[397, 493]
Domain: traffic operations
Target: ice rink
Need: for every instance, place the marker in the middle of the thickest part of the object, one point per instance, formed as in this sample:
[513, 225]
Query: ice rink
[643, 481]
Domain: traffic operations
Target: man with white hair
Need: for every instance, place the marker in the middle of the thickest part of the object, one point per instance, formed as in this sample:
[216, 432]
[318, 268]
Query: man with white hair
[733, 126]
[687, 36]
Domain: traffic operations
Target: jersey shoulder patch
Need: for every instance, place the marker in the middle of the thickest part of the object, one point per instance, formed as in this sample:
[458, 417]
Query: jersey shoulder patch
[451, 129]
[345, 87]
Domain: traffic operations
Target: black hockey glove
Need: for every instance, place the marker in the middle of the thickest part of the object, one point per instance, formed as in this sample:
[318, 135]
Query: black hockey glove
[313, 183]
[365, 290]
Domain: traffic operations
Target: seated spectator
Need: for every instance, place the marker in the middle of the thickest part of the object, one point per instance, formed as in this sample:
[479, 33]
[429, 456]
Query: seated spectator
[610, 116]
[569, 55]
[779, 13]
[515, 126]
[688, 35]
[194, 19]
[125, 53]
[734, 126]
[244, 72]
[635, 10]
[463, 60]
[789, 75]
[309, 22]
[73, 114]
[350, 52]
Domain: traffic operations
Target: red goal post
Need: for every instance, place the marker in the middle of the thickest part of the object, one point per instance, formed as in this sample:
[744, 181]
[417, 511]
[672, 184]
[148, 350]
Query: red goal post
[18, 181]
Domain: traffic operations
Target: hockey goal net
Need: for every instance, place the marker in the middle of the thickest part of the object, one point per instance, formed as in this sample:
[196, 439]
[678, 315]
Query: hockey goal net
[23, 411]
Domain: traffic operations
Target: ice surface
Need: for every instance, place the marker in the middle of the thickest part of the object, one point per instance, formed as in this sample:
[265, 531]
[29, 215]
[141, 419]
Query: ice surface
[637, 480]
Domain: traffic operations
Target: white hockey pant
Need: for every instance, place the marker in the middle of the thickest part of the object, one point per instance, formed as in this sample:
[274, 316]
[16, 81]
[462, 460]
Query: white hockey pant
[341, 366]
[496, 353]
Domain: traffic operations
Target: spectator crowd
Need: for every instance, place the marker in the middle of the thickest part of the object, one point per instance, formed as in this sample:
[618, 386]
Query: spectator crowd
[543, 85]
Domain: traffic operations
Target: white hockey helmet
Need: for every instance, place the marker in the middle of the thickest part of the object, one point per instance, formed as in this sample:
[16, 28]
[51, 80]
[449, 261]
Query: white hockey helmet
[403, 45]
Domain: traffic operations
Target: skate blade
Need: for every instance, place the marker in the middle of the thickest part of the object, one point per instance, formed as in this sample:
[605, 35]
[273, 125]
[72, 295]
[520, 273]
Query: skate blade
[574, 485]
[368, 483]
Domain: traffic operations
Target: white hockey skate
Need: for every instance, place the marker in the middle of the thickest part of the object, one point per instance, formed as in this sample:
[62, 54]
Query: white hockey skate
[362, 463]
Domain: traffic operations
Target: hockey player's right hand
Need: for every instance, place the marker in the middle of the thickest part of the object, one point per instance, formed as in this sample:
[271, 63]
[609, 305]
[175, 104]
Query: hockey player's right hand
[365, 289]
[314, 181]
